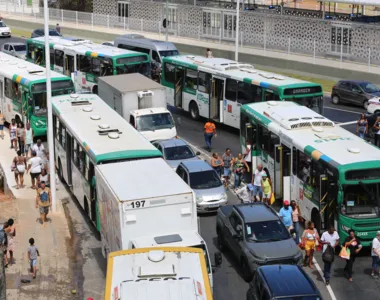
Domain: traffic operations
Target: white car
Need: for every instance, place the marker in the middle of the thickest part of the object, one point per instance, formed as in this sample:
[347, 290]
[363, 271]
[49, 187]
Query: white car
[15, 49]
[373, 105]
[5, 30]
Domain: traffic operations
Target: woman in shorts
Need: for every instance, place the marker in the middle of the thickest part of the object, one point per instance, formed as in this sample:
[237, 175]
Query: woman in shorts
[266, 185]
[309, 238]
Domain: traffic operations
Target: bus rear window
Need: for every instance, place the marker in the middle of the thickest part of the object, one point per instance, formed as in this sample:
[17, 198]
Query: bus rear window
[131, 60]
[55, 85]
[363, 174]
[303, 90]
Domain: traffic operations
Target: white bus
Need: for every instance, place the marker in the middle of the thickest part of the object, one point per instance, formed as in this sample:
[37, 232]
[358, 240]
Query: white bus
[23, 91]
[85, 61]
[87, 133]
[216, 87]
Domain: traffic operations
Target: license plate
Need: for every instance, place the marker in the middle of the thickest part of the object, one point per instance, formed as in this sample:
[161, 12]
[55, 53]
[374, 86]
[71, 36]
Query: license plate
[214, 205]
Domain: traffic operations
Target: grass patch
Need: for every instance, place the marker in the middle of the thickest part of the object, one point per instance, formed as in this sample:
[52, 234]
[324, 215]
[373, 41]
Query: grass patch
[21, 32]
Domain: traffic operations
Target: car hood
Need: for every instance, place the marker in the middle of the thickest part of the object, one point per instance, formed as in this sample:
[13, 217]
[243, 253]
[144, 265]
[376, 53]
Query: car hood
[376, 94]
[4, 29]
[210, 194]
[284, 249]
[175, 163]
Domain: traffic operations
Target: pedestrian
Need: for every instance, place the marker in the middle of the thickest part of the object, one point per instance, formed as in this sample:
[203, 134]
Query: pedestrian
[309, 239]
[19, 163]
[352, 242]
[43, 201]
[286, 215]
[256, 182]
[34, 166]
[21, 137]
[209, 53]
[39, 149]
[266, 185]
[238, 165]
[58, 28]
[28, 139]
[32, 257]
[375, 253]
[376, 127]
[2, 120]
[227, 158]
[362, 126]
[45, 177]
[4, 243]
[13, 134]
[11, 234]
[217, 163]
[331, 238]
[296, 217]
[209, 132]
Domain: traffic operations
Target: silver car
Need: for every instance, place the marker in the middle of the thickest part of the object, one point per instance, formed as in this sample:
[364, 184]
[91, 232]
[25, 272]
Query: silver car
[15, 49]
[206, 184]
[175, 151]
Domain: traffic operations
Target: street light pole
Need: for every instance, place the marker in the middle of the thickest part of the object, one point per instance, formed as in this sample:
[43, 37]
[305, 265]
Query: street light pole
[237, 31]
[167, 21]
[49, 109]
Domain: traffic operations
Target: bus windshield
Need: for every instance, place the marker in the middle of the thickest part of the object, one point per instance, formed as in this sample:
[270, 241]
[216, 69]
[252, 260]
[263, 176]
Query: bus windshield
[40, 107]
[361, 201]
[143, 68]
[154, 122]
[314, 103]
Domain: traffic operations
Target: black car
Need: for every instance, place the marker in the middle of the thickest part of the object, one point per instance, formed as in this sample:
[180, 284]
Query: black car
[40, 32]
[354, 92]
[282, 282]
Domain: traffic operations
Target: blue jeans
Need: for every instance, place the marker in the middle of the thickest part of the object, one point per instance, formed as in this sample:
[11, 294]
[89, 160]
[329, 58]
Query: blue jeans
[237, 181]
[296, 226]
[375, 262]
[208, 138]
[361, 134]
[327, 270]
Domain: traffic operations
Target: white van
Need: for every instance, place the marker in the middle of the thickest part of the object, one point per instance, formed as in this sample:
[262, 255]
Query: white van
[153, 123]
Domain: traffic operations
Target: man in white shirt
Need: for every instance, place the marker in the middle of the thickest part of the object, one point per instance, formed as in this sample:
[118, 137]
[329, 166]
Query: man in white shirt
[256, 182]
[331, 238]
[39, 148]
[34, 166]
[375, 253]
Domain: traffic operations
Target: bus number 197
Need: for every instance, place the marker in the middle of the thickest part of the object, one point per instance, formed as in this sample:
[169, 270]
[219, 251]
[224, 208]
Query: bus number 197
[138, 204]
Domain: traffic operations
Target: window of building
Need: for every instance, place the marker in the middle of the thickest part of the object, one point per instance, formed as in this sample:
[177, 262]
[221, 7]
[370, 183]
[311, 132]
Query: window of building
[204, 82]
[231, 89]
[191, 79]
[169, 73]
[58, 58]
[122, 10]
[84, 63]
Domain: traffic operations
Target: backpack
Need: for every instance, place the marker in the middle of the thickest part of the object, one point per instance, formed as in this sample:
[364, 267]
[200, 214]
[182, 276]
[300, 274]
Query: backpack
[329, 255]
[3, 236]
[44, 197]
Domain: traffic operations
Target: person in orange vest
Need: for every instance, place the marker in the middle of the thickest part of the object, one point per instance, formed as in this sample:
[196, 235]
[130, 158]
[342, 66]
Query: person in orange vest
[210, 131]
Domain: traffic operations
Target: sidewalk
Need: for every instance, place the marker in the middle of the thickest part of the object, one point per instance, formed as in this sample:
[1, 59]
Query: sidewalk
[53, 274]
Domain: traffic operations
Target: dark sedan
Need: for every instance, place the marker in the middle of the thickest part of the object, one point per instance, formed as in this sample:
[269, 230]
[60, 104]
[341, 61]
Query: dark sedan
[40, 32]
[354, 92]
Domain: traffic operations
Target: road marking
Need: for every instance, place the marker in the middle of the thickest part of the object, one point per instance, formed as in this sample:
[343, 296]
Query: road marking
[345, 110]
[329, 289]
[347, 123]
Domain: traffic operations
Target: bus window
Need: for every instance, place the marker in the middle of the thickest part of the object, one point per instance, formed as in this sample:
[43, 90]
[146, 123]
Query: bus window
[269, 95]
[191, 79]
[304, 167]
[156, 57]
[75, 153]
[30, 53]
[58, 58]
[257, 93]
[84, 63]
[51, 56]
[105, 66]
[294, 167]
[8, 88]
[169, 73]
[231, 89]
[38, 56]
[245, 93]
[268, 140]
[61, 134]
[204, 82]
[95, 66]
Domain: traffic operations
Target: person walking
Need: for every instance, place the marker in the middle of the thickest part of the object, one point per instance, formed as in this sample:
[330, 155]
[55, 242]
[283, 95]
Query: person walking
[227, 159]
[376, 127]
[362, 126]
[209, 132]
[237, 166]
[217, 163]
[286, 215]
[39, 149]
[33, 253]
[257, 176]
[266, 185]
[28, 139]
[2, 120]
[13, 134]
[11, 235]
[45, 177]
[21, 137]
[209, 53]
[352, 242]
[43, 201]
[309, 239]
[58, 28]
[331, 238]
[296, 216]
[34, 166]
[375, 253]
[19, 163]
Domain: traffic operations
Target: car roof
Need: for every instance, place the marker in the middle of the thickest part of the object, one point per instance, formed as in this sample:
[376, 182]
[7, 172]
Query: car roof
[288, 280]
[15, 44]
[172, 143]
[193, 166]
[256, 212]
[355, 81]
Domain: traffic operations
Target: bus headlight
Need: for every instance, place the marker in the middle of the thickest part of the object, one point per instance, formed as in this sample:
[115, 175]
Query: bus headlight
[345, 228]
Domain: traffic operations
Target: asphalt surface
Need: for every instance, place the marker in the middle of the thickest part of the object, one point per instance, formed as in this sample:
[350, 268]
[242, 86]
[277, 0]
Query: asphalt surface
[228, 284]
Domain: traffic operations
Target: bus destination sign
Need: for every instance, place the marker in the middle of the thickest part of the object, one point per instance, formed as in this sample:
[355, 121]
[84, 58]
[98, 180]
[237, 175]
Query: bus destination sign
[305, 90]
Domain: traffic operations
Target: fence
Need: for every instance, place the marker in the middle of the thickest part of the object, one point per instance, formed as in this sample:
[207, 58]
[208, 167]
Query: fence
[343, 41]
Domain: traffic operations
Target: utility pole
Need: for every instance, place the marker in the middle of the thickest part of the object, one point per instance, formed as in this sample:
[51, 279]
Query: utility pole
[237, 30]
[167, 21]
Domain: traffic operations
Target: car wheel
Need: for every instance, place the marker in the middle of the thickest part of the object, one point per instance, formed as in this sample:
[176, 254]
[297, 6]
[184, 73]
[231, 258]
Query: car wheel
[365, 104]
[246, 271]
[221, 243]
[194, 111]
[335, 99]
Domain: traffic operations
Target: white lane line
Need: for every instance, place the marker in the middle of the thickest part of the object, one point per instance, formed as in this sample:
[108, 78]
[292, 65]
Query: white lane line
[345, 110]
[329, 289]
[347, 123]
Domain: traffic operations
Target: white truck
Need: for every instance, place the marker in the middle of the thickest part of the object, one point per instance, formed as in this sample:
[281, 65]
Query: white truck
[164, 273]
[141, 101]
[143, 203]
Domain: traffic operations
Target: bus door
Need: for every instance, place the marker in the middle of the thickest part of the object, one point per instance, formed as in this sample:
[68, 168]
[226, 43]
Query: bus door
[216, 99]
[179, 77]
[277, 183]
[69, 145]
[283, 159]
[2, 98]
[69, 65]
[324, 203]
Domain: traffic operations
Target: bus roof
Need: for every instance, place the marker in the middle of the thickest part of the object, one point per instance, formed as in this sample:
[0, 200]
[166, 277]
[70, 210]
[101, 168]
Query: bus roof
[184, 266]
[133, 39]
[84, 115]
[86, 47]
[319, 137]
[143, 185]
[239, 71]
[24, 72]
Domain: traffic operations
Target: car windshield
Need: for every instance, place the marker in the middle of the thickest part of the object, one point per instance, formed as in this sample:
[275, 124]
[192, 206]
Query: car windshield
[168, 53]
[266, 231]
[361, 201]
[2, 24]
[178, 152]
[19, 48]
[369, 87]
[154, 122]
[203, 247]
[204, 180]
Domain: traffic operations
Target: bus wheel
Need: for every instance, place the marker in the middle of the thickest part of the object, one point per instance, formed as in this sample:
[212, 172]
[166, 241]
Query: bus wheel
[86, 207]
[95, 90]
[194, 111]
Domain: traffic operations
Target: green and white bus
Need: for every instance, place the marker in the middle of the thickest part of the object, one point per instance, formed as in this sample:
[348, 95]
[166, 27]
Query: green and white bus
[216, 87]
[332, 174]
[23, 91]
[88, 133]
[85, 61]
